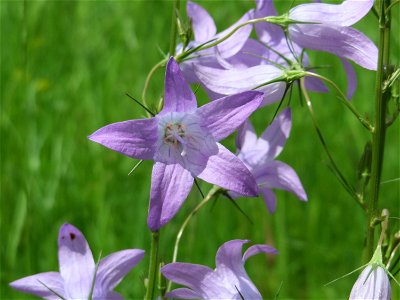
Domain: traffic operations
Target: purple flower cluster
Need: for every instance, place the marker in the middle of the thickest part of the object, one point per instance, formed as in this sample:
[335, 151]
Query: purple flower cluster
[324, 27]
[240, 75]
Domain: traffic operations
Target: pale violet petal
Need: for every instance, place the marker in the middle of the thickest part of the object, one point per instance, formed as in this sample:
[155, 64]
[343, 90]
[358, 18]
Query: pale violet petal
[269, 198]
[221, 117]
[275, 136]
[42, 285]
[202, 23]
[76, 262]
[235, 42]
[183, 293]
[193, 276]
[246, 137]
[170, 186]
[268, 33]
[315, 85]
[227, 171]
[256, 249]
[230, 268]
[133, 138]
[276, 174]
[351, 78]
[344, 42]
[345, 14]
[114, 267]
[234, 81]
[178, 97]
[373, 283]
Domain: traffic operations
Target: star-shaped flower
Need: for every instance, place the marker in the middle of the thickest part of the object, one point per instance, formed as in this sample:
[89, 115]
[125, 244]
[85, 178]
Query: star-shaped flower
[182, 140]
[259, 154]
[78, 277]
[228, 281]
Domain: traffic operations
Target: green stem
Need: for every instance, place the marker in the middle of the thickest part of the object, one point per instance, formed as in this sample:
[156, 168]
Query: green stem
[148, 78]
[153, 266]
[214, 191]
[344, 100]
[378, 136]
[172, 42]
[219, 41]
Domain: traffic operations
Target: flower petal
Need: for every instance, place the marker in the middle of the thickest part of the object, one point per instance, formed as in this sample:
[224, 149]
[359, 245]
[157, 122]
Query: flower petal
[246, 138]
[183, 293]
[256, 249]
[202, 23]
[345, 14]
[268, 33]
[221, 117]
[178, 97]
[315, 85]
[276, 174]
[271, 142]
[114, 267]
[373, 283]
[195, 277]
[276, 134]
[170, 185]
[111, 295]
[228, 82]
[133, 138]
[351, 78]
[227, 171]
[269, 198]
[230, 268]
[235, 42]
[253, 53]
[344, 42]
[76, 262]
[40, 284]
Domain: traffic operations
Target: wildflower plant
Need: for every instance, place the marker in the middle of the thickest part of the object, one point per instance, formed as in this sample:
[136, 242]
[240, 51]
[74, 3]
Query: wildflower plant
[242, 73]
[80, 277]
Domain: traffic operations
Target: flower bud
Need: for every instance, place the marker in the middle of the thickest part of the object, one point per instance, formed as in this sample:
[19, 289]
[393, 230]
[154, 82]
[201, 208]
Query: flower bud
[373, 283]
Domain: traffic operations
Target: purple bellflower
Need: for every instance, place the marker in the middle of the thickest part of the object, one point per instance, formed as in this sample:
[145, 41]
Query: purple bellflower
[332, 32]
[79, 277]
[255, 64]
[373, 282]
[228, 281]
[204, 30]
[259, 154]
[182, 140]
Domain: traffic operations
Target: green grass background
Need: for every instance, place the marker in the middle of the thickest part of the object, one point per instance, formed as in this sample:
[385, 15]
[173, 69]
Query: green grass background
[65, 67]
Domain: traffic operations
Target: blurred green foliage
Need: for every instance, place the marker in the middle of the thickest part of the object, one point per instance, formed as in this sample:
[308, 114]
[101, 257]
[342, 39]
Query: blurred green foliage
[65, 67]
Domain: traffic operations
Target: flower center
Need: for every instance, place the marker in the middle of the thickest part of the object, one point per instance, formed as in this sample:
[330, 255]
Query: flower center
[174, 133]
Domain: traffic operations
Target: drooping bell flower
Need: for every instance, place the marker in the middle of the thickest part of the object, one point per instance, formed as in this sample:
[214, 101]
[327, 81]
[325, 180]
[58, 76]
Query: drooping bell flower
[79, 278]
[259, 154]
[274, 36]
[183, 141]
[373, 282]
[332, 32]
[229, 280]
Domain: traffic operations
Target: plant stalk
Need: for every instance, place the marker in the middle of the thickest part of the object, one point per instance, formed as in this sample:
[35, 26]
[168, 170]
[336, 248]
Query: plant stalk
[172, 42]
[378, 136]
[153, 266]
